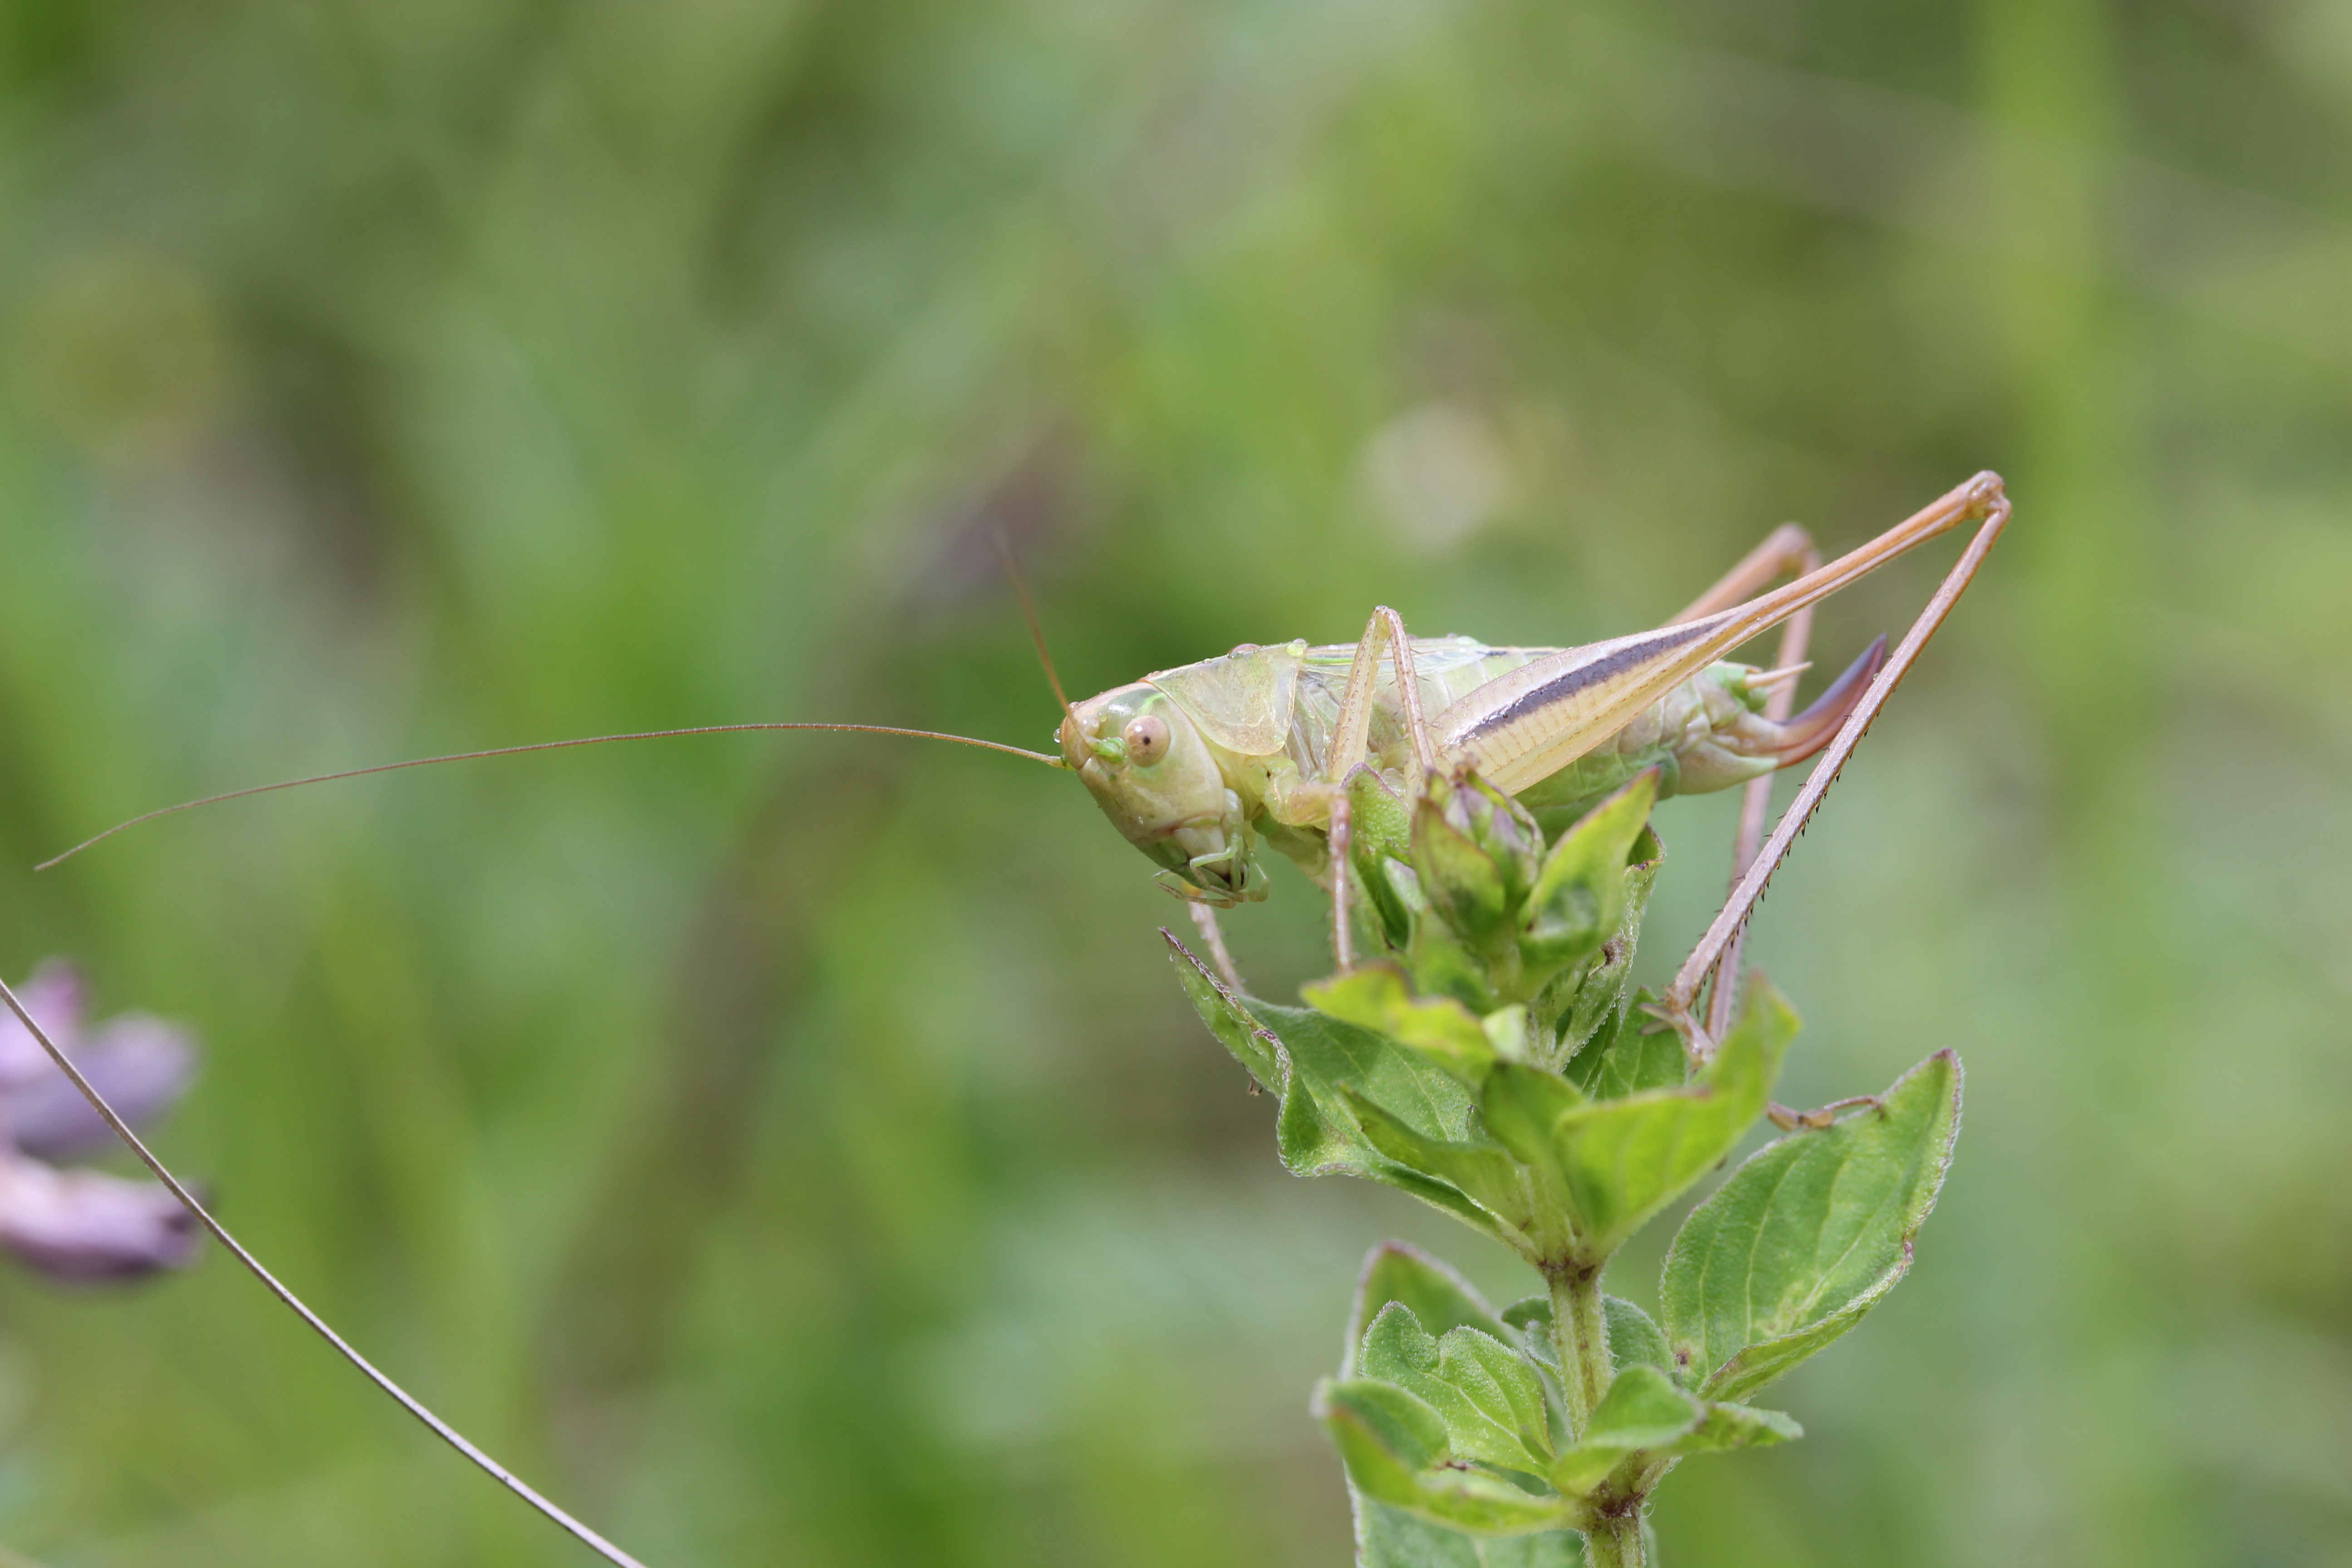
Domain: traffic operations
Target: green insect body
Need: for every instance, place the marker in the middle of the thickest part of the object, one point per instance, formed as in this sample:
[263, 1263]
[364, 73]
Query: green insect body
[1199, 765]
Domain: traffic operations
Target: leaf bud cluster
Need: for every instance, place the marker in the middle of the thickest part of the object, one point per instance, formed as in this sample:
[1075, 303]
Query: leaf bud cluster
[1494, 1063]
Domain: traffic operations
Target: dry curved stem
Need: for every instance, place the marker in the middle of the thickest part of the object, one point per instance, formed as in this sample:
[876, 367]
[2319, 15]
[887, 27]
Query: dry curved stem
[408, 1402]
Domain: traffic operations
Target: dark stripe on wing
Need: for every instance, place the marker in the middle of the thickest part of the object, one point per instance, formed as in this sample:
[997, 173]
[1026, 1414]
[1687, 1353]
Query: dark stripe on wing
[1603, 667]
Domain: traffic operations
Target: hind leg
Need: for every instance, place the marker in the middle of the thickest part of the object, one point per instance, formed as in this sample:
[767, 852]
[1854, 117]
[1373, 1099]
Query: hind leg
[1675, 1007]
[1786, 552]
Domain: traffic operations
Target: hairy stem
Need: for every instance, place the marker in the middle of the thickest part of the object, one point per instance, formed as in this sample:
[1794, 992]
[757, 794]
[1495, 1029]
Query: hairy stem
[1580, 1333]
[1614, 1541]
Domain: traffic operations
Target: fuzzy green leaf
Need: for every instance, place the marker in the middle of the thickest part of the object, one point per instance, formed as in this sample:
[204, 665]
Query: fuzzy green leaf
[1394, 1448]
[1317, 1064]
[1735, 1426]
[1643, 1409]
[1622, 1059]
[1531, 1316]
[1580, 895]
[1808, 1235]
[1625, 1160]
[1311, 1057]
[1482, 1174]
[1633, 1339]
[1382, 837]
[1390, 1538]
[1645, 1412]
[1523, 1107]
[1593, 995]
[1461, 881]
[1490, 1398]
[1376, 997]
[1252, 1044]
[1619, 1161]
[1413, 1433]
[1329, 1057]
[1441, 1300]
[1442, 965]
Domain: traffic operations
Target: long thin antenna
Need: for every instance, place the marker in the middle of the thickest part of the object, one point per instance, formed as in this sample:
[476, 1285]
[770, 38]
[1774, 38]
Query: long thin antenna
[1011, 564]
[442, 1429]
[1050, 761]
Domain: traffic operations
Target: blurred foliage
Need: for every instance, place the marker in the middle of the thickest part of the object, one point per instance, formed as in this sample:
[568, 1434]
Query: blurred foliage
[384, 378]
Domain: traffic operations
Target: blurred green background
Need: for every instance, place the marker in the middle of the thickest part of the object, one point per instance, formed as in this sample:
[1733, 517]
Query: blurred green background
[795, 1150]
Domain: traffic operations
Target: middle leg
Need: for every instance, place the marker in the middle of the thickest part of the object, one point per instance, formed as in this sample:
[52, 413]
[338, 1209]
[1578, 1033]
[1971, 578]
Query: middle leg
[1351, 736]
[1350, 744]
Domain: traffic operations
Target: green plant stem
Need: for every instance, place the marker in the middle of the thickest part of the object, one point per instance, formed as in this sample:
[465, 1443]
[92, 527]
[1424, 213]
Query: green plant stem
[1614, 1543]
[1580, 1333]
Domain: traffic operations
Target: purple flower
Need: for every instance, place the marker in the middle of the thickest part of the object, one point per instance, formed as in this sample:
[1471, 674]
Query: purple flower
[75, 1224]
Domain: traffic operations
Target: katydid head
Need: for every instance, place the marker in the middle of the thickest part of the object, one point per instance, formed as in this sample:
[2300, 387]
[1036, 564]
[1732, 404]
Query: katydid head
[1157, 780]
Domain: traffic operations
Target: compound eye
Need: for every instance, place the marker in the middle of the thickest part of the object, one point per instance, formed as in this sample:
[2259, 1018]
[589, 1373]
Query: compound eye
[1147, 740]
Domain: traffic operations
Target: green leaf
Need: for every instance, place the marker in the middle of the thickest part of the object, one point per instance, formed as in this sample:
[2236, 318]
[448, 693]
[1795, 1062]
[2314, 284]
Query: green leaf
[1461, 881]
[1531, 1316]
[1382, 837]
[1390, 1538]
[1580, 895]
[1337, 1069]
[1441, 1300]
[1523, 1107]
[1642, 1410]
[1619, 1161]
[1736, 1426]
[1495, 1196]
[1595, 994]
[1410, 1432]
[1442, 967]
[1252, 1044]
[1393, 1446]
[1375, 997]
[1307, 1057]
[1623, 1060]
[1633, 1339]
[1645, 1412]
[1489, 1397]
[1507, 1031]
[1323, 1069]
[1623, 1160]
[1808, 1235]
